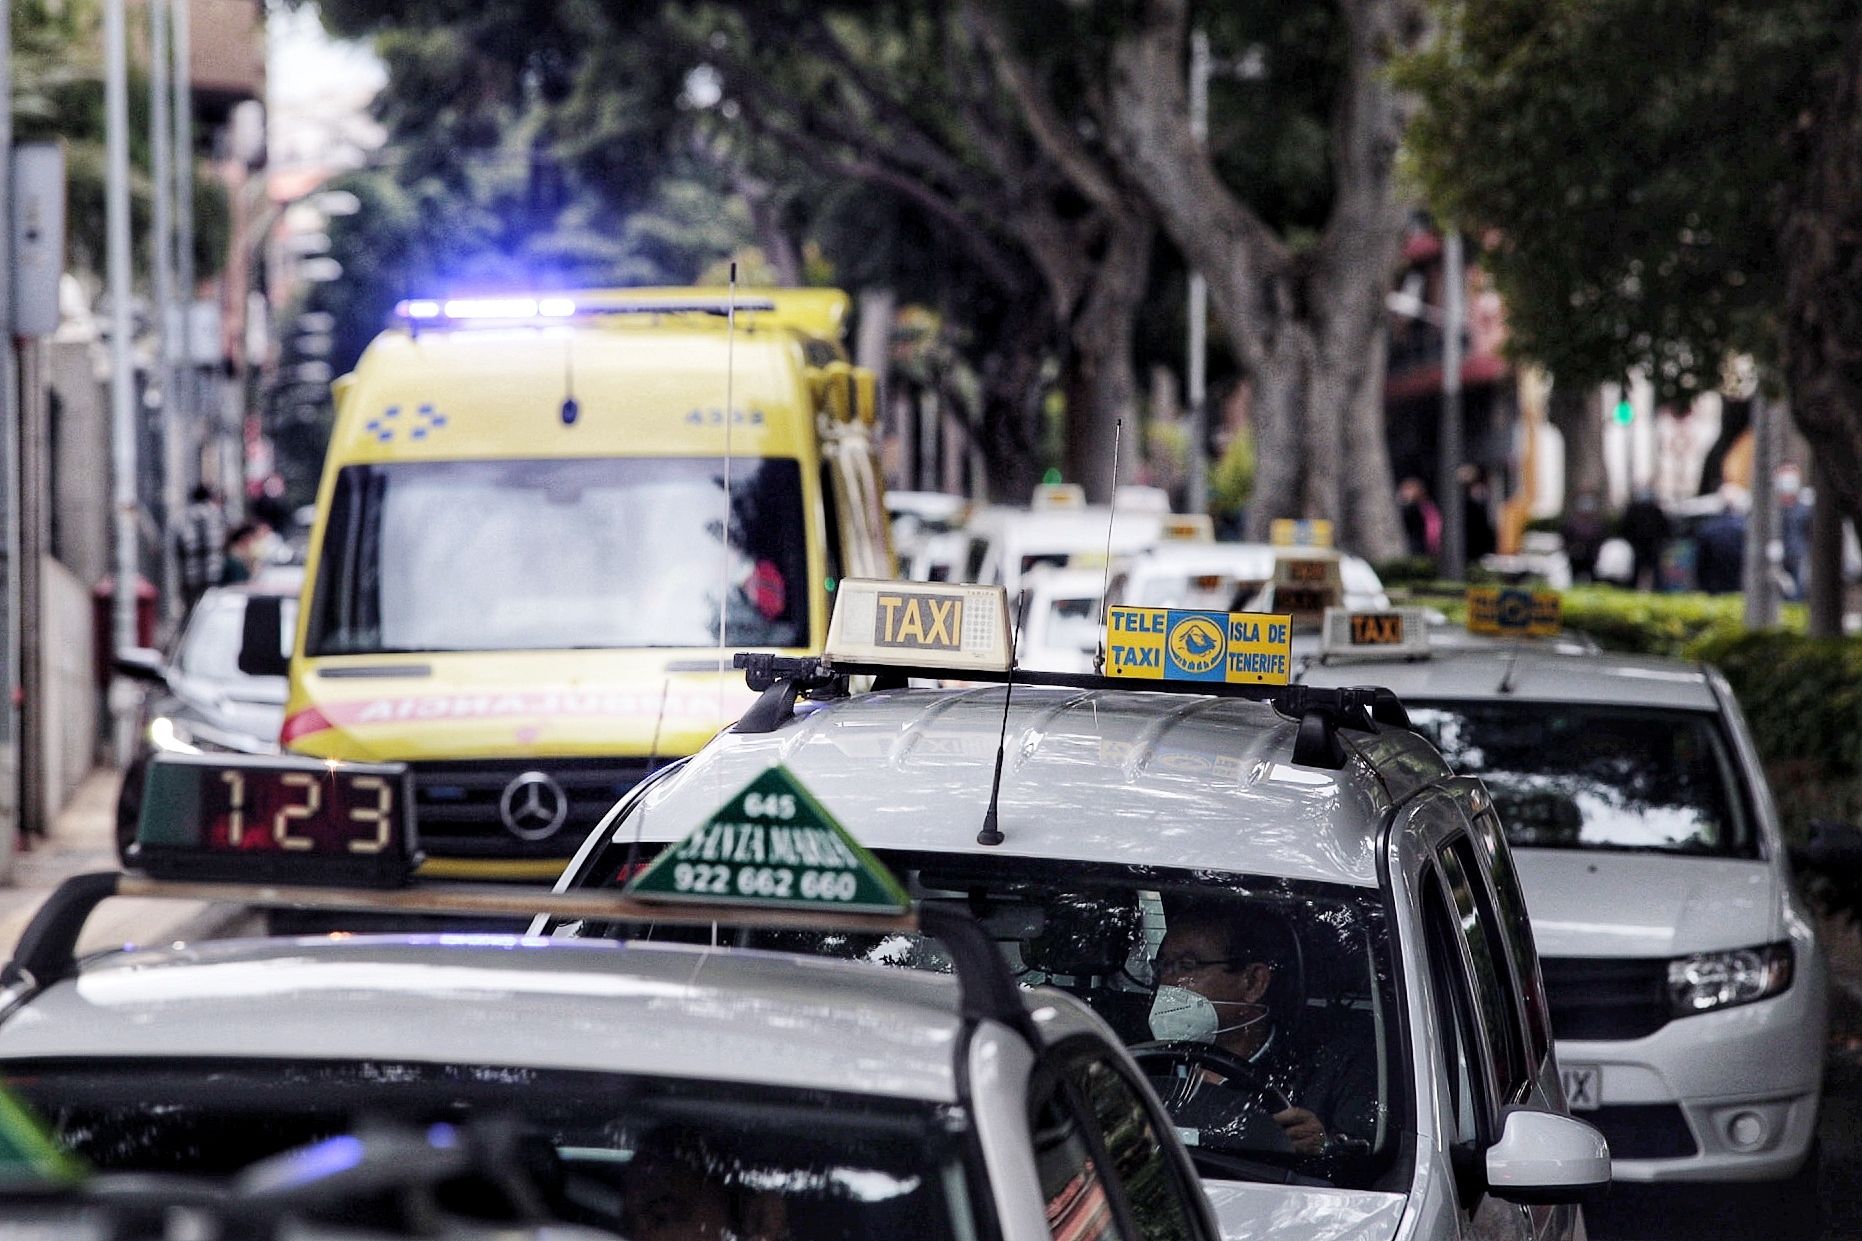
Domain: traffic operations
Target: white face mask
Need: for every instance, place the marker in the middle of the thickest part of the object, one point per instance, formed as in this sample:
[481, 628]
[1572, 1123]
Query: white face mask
[1181, 1015]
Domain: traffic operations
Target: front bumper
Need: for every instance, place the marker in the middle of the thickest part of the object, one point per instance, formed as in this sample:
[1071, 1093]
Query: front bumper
[1673, 1096]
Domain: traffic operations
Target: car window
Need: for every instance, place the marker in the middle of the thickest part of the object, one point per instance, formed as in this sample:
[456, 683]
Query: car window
[1493, 1008]
[1517, 929]
[1454, 1013]
[1168, 955]
[1493, 974]
[1072, 1185]
[1154, 1191]
[1592, 776]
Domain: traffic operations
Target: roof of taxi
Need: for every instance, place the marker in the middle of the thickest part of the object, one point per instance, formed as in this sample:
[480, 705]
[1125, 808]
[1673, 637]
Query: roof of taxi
[729, 1015]
[1109, 776]
[1526, 672]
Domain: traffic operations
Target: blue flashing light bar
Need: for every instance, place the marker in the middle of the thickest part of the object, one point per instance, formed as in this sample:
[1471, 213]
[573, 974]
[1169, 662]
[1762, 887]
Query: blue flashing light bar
[555, 308]
[502, 309]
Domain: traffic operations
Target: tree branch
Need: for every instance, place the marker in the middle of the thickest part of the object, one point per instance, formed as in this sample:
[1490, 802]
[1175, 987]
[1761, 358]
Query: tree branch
[1049, 128]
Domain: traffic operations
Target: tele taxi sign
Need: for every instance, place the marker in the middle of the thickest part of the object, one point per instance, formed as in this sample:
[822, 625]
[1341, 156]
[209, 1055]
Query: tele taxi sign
[1300, 532]
[1179, 644]
[772, 844]
[920, 624]
[1514, 611]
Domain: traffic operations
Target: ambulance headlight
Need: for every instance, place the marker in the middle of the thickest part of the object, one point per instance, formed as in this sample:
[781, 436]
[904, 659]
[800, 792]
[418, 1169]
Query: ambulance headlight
[1708, 981]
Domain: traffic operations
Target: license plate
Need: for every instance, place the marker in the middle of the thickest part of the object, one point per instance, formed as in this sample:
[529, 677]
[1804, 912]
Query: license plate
[1583, 1087]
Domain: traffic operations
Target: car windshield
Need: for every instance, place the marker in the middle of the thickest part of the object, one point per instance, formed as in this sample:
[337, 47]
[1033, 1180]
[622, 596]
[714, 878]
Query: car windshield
[651, 1159]
[1251, 1003]
[215, 630]
[552, 554]
[1582, 776]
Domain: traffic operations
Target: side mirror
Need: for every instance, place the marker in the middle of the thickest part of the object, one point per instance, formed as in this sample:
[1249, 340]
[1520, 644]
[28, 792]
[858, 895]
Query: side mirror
[1831, 847]
[142, 663]
[1545, 1158]
[264, 646]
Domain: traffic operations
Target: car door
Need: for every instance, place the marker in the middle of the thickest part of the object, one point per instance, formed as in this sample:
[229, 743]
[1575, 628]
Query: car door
[1484, 1047]
[1106, 1172]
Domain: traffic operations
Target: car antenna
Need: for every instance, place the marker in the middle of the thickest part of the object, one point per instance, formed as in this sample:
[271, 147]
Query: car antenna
[1105, 583]
[992, 829]
[571, 408]
[724, 562]
[1512, 665]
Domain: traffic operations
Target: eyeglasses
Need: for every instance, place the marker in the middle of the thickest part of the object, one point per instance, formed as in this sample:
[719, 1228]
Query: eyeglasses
[1177, 966]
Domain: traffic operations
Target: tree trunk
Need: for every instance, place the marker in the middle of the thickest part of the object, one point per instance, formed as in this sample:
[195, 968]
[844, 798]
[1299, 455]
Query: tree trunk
[1372, 527]
[1825, 595]
[1009, 421]
[1101, 382]
[1822, 253]
[1277, 402]
[1575, 413]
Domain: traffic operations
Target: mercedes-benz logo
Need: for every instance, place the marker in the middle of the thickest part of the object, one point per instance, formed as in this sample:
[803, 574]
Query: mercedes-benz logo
[533, 806]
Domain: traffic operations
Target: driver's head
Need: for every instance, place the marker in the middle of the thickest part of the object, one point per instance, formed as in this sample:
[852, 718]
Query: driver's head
[1230, 955]
[679, 1187]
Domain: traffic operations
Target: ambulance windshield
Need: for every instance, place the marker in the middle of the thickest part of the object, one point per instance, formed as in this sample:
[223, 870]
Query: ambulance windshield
[556, 554]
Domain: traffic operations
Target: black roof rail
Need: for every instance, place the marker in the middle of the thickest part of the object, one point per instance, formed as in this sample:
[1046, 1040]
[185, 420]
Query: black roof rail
[1321, 710]
[986, 990]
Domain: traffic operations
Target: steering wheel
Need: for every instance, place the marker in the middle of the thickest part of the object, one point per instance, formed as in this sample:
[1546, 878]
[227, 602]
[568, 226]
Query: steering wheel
[1162, 1057]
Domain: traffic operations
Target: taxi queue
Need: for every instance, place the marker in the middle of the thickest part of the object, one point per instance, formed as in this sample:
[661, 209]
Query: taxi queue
[1008, 907]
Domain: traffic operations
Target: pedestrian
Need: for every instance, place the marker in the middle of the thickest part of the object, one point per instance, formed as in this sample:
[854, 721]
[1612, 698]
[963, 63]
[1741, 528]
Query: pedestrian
[1794, 514]
[1584, 531]
[1422, 521]
[1477, 531]
[1720, 563]
[200, 544]
[1646, 529]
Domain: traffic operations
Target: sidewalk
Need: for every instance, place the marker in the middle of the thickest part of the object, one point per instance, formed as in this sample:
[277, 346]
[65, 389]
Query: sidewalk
[84, 839]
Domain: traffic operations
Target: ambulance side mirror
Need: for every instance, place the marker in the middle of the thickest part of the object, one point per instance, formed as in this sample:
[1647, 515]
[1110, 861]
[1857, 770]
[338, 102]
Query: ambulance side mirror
[264, 646]
[1546, 1158]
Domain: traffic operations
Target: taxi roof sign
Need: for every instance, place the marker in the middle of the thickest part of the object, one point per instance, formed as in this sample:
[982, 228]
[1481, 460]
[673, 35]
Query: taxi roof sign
[1402, 632]
[920, 624]
[1187, 528]
[1056, 497]
[772, 844]
[1514, 612]
[1184, 644]
[1300, 532]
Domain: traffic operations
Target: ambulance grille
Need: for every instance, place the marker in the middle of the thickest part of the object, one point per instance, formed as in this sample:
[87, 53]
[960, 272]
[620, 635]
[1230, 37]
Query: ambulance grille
[458, 803]
[1606, 998]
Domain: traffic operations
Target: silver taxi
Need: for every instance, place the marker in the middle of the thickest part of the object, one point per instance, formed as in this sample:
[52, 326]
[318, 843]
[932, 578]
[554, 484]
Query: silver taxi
[660, 1092]
[1688, 989]
[1307, 929]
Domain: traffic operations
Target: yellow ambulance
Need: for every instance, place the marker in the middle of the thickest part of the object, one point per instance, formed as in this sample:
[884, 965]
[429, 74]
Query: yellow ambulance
[526, 579]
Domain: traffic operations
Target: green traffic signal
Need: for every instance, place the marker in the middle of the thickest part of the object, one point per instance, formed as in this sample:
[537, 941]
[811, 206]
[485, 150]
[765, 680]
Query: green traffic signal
[1625, 412]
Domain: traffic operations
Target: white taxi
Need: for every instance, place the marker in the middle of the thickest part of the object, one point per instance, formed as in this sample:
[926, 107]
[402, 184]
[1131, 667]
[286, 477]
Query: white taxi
[1304, 925]
[659, 1092]
[1687, 986]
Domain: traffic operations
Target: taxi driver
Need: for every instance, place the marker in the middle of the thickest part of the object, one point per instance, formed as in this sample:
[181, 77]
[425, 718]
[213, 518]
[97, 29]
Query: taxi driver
[1221, 979]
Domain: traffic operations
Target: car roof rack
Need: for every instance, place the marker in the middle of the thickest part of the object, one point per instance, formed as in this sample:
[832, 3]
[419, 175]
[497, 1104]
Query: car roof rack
[1322, 712]
[47, 950]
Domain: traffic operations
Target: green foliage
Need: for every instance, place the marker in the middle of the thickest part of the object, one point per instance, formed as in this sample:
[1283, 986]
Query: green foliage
[1659, 624]
[1803, 699]
[1407, 571]
[1231, 482]
[1623, 158]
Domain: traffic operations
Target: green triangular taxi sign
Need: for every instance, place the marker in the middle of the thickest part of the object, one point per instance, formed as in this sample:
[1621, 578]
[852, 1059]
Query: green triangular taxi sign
[774, 845]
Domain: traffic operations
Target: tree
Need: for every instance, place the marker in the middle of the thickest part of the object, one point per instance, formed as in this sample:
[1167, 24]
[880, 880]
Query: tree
[1662, 183]
[1303, 310]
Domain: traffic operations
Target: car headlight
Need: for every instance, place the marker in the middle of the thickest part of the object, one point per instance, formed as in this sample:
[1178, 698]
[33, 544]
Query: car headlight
[1708, 981]
[171, 736]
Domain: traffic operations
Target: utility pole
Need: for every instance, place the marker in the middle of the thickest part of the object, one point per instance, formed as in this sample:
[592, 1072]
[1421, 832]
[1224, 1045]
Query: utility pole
[9, 450]
[122, 377]
[161, 147]
[186, 402]
[1448, 451]
[1196, 378]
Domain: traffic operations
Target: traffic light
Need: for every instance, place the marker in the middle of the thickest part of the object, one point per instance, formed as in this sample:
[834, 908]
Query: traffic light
[1625, 412]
